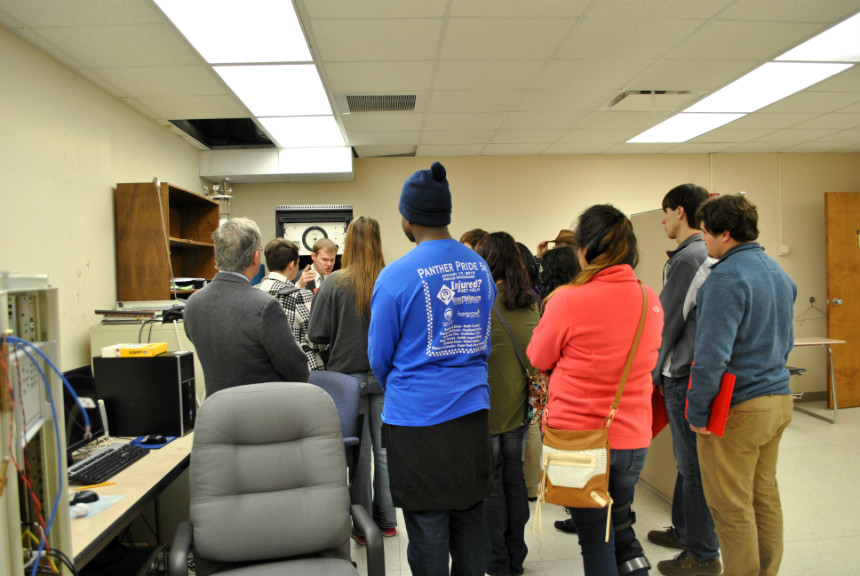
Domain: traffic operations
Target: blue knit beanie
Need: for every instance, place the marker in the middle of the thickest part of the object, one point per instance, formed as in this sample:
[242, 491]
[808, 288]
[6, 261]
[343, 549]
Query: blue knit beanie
[426, 197]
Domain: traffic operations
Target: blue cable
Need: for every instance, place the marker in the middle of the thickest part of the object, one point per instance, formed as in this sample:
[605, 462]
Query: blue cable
[18, 341]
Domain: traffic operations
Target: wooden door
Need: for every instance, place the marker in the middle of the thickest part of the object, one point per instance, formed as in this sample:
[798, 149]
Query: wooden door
[842, 250]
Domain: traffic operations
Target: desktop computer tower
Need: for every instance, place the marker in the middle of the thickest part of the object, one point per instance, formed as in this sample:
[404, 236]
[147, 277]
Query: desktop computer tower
[153, 395]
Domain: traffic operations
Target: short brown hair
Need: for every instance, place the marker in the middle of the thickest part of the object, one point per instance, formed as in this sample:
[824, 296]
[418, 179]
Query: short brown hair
[734, 214]
[280, 252]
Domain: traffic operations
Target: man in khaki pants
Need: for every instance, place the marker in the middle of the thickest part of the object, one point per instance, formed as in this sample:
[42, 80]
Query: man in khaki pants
[744, 314]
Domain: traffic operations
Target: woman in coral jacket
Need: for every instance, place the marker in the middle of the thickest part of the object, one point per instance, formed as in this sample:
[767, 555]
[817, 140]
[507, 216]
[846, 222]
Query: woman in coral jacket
[583, 339]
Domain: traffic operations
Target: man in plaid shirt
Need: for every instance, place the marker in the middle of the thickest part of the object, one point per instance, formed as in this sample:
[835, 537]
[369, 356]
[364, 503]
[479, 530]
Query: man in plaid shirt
[282, 258]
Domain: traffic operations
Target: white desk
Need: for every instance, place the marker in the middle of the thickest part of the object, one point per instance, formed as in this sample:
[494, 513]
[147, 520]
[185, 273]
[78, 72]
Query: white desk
[140, 483]
[825, 342]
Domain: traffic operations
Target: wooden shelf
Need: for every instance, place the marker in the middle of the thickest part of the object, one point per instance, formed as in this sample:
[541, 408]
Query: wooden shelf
[143, 214]
[182, 242]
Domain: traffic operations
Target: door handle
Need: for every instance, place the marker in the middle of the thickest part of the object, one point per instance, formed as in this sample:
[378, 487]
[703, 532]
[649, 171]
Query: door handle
[837, 301]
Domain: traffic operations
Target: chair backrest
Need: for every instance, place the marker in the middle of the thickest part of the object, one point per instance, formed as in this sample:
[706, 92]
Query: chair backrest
[345, 392]
[266, 477]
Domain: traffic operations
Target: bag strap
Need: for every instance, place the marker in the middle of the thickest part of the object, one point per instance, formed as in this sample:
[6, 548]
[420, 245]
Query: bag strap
[608, 420]
[513, 338]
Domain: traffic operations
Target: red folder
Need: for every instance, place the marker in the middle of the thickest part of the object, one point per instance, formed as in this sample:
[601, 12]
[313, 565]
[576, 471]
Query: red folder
[720, 406]
[659, 418]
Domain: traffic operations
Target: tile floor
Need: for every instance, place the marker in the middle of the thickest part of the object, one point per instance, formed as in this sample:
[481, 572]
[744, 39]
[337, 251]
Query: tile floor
[819, 476]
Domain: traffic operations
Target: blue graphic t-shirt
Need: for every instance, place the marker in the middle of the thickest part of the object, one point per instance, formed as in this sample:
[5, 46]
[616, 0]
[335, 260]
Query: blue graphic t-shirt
[430, 334]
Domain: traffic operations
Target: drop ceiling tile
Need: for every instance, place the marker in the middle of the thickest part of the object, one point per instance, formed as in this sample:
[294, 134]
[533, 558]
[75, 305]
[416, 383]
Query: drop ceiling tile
[590, 74]
[439, 137]
[728, 135]
[383, 122]
[830, 122]
[122, 46]
[570, 99]
[196, 107]
[625, 148]
[820, 102]
[541, 120]
[691, 74]
[794, 135]
[474, 100]
[530, 9]
[164, 81]
[790, 10]
[526, 136]
[598, 136]
[379, 77]
[846, 81]
[625, 38]
[480, 121]
[852, 135]
[621, 121]
[438, 151]
[508, 75]
[42, 13]
[759, 147]
[338, 9]
[739, 40]
[813, 148]
[699, 147]
[503, 38]
[663, 9]
[383, 138]
[764, 121]
[377, 40]
[513, 149]
[577, 148]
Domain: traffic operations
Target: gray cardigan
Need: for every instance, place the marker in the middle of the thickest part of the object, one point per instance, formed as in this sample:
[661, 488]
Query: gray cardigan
[242, 335]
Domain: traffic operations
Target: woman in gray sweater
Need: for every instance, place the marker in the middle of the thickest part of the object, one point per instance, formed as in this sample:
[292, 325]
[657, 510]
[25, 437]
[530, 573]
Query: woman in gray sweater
[340, 319]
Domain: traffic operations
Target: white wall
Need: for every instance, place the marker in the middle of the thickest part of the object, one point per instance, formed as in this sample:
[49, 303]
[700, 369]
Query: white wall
[534, 197]
[64, 145]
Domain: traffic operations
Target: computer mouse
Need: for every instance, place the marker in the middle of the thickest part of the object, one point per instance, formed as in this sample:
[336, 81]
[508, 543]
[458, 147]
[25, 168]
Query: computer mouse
[84, 497]
[154, 439]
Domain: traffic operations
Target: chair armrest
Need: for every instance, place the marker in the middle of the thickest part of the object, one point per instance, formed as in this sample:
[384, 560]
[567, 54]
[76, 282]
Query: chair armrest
[177, 562]
[375, 548]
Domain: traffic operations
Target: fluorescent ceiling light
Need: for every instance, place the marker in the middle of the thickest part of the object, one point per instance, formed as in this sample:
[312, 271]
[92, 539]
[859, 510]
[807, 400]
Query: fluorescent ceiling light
[683, 127]
[229, 31]
[841, 43]
[304, 132]
[765, 85]
[278, 90]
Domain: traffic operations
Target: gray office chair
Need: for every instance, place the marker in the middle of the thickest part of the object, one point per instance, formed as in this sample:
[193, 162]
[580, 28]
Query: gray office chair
[268, 489]
[344, 390]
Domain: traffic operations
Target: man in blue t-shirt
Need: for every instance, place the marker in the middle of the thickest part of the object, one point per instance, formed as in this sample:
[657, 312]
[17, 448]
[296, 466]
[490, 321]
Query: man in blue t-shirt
[428, 345]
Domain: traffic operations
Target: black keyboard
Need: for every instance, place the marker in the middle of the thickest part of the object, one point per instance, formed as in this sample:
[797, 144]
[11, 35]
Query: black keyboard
[105, 464]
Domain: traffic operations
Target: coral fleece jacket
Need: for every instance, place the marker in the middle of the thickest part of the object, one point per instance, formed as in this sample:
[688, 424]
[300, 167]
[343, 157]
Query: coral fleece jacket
[584, 338]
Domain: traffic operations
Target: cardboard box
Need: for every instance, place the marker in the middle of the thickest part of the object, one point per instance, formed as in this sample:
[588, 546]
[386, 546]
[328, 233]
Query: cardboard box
[129, 350]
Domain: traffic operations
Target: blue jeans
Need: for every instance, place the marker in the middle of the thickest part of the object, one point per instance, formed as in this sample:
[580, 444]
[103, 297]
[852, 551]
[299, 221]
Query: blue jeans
[507, 506]
[601, 558]
[374, 495]
[434, 534]
[690, 514]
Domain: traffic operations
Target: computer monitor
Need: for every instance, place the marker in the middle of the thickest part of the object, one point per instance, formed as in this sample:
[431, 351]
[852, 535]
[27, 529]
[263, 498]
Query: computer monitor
[81, 381]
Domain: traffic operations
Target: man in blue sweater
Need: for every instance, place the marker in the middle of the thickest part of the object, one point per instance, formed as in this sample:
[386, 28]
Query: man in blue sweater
[745, 314]
[428, 345]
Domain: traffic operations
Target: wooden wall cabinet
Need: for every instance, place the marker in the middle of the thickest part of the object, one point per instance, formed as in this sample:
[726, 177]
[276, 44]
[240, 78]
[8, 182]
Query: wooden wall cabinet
[142, 262]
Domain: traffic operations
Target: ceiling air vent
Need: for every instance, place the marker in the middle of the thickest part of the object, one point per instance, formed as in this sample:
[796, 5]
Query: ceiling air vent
[650, 100]
[381, 103]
